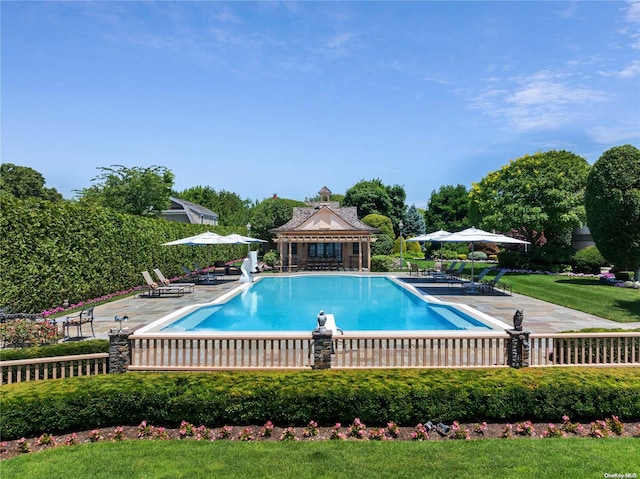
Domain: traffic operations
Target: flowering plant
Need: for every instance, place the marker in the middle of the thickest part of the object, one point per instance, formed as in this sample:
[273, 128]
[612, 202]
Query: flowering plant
[71, 440]
[224, 432]
[553, 431]
[599, 429]
[46, 440]
[507, 432]
[336, 434]
[246, 434]
[266, 430]
[480, 428]
[94, 436]
[23, 445]
[525, 429]
[118, 434]
[459, 432]
[615, 425]
[392, 429]
[311, 429]
[358, 429]
[289, 434]
[421, 433]
[377, 434]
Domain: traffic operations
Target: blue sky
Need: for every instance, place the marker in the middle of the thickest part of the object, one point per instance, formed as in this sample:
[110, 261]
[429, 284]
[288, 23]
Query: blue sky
[260, 98]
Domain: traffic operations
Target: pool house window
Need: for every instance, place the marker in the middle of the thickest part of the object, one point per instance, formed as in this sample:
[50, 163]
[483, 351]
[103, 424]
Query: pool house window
[325, 250]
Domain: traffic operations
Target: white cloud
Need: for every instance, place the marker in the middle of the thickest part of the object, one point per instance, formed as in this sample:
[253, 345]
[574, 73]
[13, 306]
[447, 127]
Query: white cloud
[340, 43]
[631, 71]
[611, 135]
[542, 100]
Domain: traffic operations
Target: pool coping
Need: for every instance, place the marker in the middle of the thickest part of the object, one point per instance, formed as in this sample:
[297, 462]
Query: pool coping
[494, 324]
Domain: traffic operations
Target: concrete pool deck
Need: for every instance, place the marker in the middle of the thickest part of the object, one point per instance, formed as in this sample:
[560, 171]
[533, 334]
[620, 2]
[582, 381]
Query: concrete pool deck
[539, 316]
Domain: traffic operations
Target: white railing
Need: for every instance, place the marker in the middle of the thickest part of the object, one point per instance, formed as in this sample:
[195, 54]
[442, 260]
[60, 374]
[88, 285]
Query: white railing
[208, 352]
[413, 351]
[164, 353]
[53, 368]
[585, 349]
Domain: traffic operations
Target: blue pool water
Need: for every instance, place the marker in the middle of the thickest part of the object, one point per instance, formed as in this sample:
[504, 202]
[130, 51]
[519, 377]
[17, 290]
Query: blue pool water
[359, 303]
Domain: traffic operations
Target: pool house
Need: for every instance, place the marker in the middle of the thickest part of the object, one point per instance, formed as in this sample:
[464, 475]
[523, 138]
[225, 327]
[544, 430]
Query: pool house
[325, 236]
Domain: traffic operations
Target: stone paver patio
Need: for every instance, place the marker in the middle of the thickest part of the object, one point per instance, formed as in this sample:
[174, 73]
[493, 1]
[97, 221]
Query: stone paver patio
[540, 316]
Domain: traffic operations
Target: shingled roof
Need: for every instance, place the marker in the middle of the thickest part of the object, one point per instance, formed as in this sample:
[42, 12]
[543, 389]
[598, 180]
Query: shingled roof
[347, 213]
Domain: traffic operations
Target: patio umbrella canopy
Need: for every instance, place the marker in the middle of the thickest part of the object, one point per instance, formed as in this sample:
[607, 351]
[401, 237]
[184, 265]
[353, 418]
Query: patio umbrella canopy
[435, 236]
[473, 235]
[205, 238]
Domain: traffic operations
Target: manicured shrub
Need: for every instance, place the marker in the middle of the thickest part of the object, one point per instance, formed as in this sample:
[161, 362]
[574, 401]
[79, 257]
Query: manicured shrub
[270, 258]
[53, 350]
[381, 263]
[589, 260]
[406, 397]
[477, 256]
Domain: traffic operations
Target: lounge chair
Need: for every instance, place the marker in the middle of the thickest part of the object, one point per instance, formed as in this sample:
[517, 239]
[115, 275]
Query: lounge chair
[84, 317]
[155, 290]
[190, 274]
[479, 277]
[188, 287]
[490, 285]
[444, 274]
[455, 275]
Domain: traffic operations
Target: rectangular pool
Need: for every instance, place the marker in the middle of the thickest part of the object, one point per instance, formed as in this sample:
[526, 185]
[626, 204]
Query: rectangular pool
[358, 303]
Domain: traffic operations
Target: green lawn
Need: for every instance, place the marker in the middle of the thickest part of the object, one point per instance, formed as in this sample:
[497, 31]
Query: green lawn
[486, 458]
[585, 294]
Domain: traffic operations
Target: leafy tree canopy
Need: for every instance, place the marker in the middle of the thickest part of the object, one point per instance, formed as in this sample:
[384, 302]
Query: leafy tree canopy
[383, 223]
[137, 191]
[370, 197]
[271, 213]
[373, 197]
[535, 195]
[447, 209]
[231, 209]
[23, 182]
[413, 223]
[612, 201]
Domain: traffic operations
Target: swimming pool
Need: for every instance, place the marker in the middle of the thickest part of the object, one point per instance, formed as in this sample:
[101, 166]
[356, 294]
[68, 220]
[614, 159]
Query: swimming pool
[358, 303]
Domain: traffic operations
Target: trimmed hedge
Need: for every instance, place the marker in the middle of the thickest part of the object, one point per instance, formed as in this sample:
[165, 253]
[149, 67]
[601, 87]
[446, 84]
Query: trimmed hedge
[53, 350]
[293, 398]
[50, 252]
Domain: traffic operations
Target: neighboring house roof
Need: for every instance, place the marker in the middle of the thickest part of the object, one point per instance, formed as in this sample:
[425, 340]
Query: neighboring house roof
[188, 212]
[325, 217]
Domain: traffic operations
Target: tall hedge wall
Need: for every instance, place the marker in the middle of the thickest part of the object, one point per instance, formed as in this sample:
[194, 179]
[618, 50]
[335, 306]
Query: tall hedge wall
[53, 251]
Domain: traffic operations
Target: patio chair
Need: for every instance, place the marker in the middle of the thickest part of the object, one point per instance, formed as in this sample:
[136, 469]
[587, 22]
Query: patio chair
[85, 316]
[190, 274]
[444, 274]
[155, 290]
[188, 287]
[413, 268]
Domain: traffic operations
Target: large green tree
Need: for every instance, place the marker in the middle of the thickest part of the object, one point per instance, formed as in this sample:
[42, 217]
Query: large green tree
[23, 182]
[447, 209]
[271, 213]
[373, 197]
[413, 223]
[231, 209]
[541, 194]
[137, 190]
[612, 201]
[369, 197]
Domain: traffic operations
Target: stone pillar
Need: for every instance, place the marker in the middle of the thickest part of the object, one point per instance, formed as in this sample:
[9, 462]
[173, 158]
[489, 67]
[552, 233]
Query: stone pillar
[119, 351]
[518, 348]
[322, 349]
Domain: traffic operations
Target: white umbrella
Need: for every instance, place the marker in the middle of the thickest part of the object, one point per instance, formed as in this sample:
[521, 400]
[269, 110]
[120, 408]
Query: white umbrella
[473, 235]
[244, 239]
[206, 238]
[430, 236]
[435, 236]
